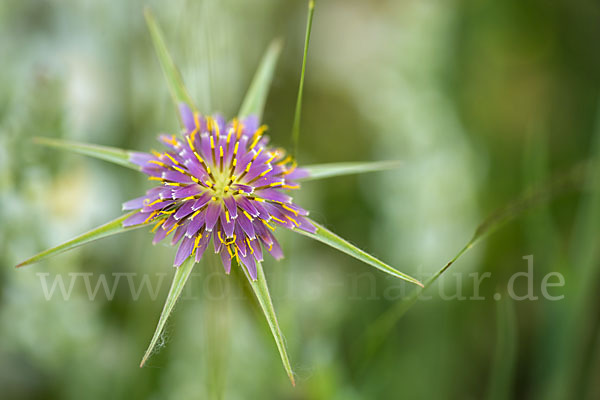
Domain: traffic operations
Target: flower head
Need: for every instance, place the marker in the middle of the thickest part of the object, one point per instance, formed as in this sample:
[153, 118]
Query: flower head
[223, 183]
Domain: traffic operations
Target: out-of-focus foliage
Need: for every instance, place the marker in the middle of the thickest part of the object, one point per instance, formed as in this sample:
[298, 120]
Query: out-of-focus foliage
[479, 99]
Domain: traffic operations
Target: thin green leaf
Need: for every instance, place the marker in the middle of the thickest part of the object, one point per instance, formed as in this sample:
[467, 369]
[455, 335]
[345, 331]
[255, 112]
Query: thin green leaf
[182, 273]
[322, 171]
[502, 379]
[570, 180]
[178, 91]
[256, 97]
[110, 228]
[296, 126]
[261, 290]
[331, 239]
[110, 154]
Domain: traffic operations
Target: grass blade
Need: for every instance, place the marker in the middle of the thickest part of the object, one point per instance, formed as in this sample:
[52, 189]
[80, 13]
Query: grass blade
[256, 97]
[110, 228]
[322, 171]
[110, 154]
[182, 274]
[261, 290]
[324, 235]
[574, 178]
[296, 126]
[178, 91]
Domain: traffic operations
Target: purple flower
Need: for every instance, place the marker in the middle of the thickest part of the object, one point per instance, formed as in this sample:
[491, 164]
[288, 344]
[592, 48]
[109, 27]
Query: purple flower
[220, 183]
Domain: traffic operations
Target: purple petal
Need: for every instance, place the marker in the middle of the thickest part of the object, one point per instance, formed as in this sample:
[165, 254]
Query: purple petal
[250, 263]
[187, 116]
[231, 205]
[184, 251]
[140, 158]
[228, 226]
[212, 215]
[136, 219]
[202, 244]
[195, 223]
[134, 204]
[226, 261]
[184, 210]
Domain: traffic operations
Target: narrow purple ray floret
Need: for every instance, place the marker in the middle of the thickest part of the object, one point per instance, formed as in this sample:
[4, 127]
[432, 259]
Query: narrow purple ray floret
[223, 183]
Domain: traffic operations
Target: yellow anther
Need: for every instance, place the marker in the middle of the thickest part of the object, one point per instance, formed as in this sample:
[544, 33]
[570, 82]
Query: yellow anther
[150, 217]
[199, 158]
[212, 142]
[248, 216]
[265, 172]
[256, 154]
[157, 225]
[157, 163]
[226, 189]
[155, 178]
[197, 120]
[276, 184]
[174, 184]
[289, 209]
[291, 187]
[285, 160]
[249, 246]
[178, 169]
[170, 140]
[268, 226]
[292, 219]
[156, 153]
[194, 215]
[190, 140]
[271, 158]
[278, 220]
[221, 151]
[229, 251]
[235, 149]
[209, 124]
[172, 159]
[168, 212]
[154, 202]
[227, 216]
[172, 229]
[217, 129]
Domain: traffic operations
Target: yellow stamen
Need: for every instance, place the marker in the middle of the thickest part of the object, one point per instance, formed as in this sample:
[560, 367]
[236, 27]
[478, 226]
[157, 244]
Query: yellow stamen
[150, 217]
[285, 160]
[293, 220]
[268, 226]
[194, 215]
[278, 220]
[289, 209]
[157, 225]
[157, 163]
[172, 159]
[172, 229]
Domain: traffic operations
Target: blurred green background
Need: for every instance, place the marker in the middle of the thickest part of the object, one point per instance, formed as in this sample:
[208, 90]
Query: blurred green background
[480, 99]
